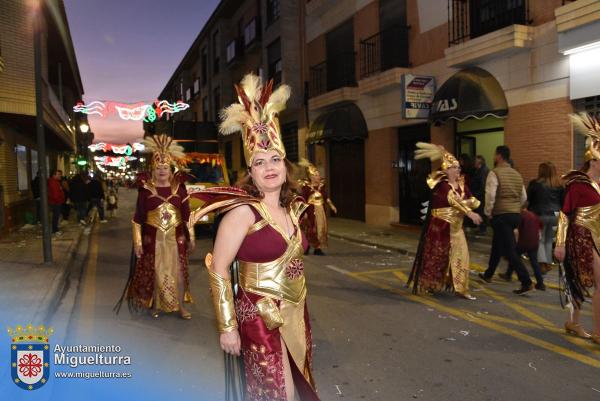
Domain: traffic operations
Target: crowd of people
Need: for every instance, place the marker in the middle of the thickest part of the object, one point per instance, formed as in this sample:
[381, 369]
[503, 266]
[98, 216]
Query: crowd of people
[78, 194]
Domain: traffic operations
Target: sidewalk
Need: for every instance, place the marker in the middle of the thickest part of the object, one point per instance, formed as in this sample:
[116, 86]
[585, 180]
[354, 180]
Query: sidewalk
[30, 289]
[405, 239]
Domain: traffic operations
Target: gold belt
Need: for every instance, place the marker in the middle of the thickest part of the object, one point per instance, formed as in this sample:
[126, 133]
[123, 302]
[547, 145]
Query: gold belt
[164, 217]
[450, 215]
[589, 217]
[271, 279]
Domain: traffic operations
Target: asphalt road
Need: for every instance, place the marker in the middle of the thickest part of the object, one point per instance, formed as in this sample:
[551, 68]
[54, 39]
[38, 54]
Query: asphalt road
[373, 339]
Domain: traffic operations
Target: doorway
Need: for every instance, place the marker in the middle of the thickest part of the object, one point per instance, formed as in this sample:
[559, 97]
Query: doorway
[412, 174]
[347, 178]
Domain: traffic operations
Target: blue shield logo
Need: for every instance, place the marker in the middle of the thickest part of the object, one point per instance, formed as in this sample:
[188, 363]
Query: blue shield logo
[30, 365]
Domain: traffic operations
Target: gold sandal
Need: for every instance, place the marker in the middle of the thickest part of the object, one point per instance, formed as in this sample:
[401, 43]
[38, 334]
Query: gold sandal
[577, 330]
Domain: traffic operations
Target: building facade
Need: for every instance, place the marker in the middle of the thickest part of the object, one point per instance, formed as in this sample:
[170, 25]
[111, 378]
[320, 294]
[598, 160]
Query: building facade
[241, 36]
[61, 89]
[504, 73]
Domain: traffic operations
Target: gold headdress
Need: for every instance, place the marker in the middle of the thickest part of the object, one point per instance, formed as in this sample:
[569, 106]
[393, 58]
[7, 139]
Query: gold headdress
[436, 152]
[310, 168]
[164, 150]
[592, 132]
[256, 115]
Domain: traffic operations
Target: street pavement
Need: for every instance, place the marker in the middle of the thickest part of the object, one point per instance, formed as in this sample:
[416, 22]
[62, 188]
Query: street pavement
[373, 339]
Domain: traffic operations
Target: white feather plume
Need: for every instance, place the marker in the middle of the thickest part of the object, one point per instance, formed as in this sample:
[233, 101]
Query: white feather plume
[231, 119]
[252, 86]
[278, 99]
[429, 150]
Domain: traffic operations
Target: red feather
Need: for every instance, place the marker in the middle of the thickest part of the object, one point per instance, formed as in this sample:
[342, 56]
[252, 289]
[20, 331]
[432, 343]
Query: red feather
[242, 95]
[266, 93]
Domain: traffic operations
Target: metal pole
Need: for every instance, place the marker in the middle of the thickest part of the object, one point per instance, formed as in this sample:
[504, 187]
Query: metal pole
[41, 139]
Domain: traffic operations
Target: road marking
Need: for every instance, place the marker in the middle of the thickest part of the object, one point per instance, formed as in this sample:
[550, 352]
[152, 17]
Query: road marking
[88, 299]
[588, 360]
[338, 269]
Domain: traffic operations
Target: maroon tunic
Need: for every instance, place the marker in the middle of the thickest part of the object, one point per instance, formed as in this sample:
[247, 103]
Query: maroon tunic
[141, 289]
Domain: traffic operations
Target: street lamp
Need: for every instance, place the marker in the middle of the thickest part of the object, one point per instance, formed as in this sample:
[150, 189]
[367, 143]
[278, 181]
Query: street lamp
[84, 128]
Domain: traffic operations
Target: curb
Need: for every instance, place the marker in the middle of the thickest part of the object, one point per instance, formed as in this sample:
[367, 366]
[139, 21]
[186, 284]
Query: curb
[56, 289]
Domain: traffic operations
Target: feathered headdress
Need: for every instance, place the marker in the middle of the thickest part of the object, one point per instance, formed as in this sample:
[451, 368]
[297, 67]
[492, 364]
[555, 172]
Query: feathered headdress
[164, 150]
[310, 168]
[592, 132]
[436, 152]
[256, 116]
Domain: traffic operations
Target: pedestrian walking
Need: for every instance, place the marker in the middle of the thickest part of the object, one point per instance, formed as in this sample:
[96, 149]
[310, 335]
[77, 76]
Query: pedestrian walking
[79, 196]
[314, 221]
[504, 198]
[480, 173]
[528, 242]
[545, 195]
[578, 236]
[66, 207]
[442, 259]
[159, 279]
[266, 320]
[112, 202]
[56, 198]
[96, 194]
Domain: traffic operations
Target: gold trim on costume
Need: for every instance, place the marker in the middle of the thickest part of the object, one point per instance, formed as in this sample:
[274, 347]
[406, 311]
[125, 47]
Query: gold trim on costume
[259, 225]
[137, 233]
[589, 217]
[563, 226]
[164, 217]
[222, 296]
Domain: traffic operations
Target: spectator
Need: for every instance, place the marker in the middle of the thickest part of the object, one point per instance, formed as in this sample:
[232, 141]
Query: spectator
[56, 198]
[528, 234]
[480, 173]
[96, 192]
[66, 207]
[545, 195]
[35, 190]
[112, 201]
[504, 198]
[79, 196]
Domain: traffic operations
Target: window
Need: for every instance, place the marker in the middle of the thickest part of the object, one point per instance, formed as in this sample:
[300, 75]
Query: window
[204, 58]
[205, 108]
[188, 94]
[250, 32]
[22, 181]
[216, 52]
[231, 51]
[196, 86]
[217, 101]
[273, 11]
[34, 163]
[289, 136]
[589, 105]
[274, 61]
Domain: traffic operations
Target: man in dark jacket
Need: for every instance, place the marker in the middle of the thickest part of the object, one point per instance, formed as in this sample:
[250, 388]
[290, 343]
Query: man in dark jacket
[480, 173]
[79, 196]
[96, 193]
[56, 198]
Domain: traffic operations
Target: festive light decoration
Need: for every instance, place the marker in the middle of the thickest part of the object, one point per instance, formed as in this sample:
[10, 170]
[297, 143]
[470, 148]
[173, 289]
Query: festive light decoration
[119, 161]
[134, 112]
[118, 149]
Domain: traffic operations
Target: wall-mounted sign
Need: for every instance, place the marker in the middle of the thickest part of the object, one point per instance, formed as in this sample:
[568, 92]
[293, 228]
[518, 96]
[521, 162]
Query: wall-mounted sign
[417, 95]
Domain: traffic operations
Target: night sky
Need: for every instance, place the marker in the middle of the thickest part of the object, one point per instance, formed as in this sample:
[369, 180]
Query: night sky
[128, 49]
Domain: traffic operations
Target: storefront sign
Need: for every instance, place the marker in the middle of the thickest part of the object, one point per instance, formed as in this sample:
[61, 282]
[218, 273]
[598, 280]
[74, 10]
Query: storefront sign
[418, 91]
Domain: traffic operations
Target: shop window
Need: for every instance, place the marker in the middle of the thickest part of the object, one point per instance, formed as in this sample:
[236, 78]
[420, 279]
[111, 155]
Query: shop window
[22, 181]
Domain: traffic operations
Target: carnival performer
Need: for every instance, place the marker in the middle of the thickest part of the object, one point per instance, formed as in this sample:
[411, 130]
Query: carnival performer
[159, 278]
[266, 320]
[314, 221]
[442, 259]
[578, 236]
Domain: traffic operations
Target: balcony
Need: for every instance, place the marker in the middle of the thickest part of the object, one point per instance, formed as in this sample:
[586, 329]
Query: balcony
[56, 117]
[337, 72]
[485, 29]
[474, 18]
[385, 50]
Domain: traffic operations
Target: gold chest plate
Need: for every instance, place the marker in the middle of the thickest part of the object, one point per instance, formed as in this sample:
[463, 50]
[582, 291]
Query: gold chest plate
[164, 217]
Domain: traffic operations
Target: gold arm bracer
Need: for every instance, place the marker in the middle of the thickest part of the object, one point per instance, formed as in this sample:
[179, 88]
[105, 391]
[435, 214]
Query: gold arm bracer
[222, 296]
[137, 233]
[472, 203]
[458, 203]
[561, 232]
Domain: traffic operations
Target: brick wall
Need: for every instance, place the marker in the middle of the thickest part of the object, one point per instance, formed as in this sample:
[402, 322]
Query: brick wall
[443, 135]
[538, 132]
[541, 12]
[366, 24]
[427, 46]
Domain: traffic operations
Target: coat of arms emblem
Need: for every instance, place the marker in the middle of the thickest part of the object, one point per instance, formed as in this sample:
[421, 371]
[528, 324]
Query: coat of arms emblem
[30, 356]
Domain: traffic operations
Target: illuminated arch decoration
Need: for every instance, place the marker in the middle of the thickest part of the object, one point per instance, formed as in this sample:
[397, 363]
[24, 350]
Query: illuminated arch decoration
[139, 111]
[124, 149]
[111, 161]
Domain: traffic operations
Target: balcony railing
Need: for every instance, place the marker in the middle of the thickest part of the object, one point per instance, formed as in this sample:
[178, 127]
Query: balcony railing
[384, 50]
[473, 18]
[337, 72]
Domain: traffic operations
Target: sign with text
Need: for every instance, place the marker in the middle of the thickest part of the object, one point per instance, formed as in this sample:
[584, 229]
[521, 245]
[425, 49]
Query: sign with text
[418, 91]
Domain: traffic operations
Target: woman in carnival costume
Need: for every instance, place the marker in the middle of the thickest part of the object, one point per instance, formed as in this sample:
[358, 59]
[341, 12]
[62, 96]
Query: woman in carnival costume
[442, 259]
[578, 235]
[159, 279]
[266, 320]
[314, 222]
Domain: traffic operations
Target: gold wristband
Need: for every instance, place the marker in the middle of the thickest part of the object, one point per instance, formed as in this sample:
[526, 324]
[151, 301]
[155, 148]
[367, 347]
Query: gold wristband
[137, 234]
[561, 232]
[222, 296]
